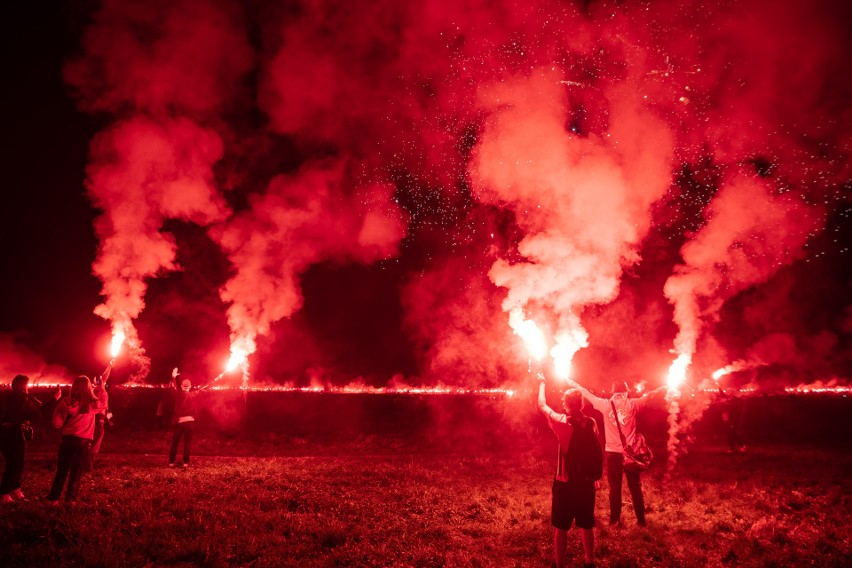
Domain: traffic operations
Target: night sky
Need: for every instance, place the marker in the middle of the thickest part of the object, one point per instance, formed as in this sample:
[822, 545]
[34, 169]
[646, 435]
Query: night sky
[366, 195]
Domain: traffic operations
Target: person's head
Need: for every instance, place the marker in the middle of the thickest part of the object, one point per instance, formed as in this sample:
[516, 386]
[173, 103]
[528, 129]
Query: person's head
[20, 383]
[81, 390]
[572, 401]
[185, 385]
[619, 387]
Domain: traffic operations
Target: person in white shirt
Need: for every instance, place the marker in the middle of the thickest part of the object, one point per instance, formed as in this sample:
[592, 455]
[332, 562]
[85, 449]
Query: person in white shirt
[625, 408]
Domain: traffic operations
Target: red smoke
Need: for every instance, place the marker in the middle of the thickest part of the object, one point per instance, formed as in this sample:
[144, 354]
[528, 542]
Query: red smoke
[511, 156]
[300, 220]
[748, 236]
[582, 201]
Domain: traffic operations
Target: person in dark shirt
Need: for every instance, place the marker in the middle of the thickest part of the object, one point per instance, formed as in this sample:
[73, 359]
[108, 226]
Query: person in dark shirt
[17, 409]
[183, 419]
[572, 498]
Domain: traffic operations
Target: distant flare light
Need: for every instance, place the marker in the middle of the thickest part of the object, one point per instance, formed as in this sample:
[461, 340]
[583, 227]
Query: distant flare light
[732, 368]
[719, 373]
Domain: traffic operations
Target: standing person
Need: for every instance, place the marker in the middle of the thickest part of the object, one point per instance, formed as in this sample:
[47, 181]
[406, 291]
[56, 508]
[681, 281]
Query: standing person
[17, 409]
[183, 419]
[626, 409]
[101, 417]
[75, 416]
[579, 466]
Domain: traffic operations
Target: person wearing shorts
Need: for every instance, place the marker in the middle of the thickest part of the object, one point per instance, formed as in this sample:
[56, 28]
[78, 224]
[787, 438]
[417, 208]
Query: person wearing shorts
[572, 500]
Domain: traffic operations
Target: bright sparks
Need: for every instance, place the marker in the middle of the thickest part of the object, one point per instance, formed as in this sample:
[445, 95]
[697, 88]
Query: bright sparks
[677, 372]
[532, 336]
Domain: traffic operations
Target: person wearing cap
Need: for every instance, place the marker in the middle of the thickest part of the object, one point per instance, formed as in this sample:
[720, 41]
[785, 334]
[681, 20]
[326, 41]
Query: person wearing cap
[183, 419]
[626, 409]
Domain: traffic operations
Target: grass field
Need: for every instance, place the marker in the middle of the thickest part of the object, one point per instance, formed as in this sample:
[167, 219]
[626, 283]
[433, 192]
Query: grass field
[340, 480]
[774, 506]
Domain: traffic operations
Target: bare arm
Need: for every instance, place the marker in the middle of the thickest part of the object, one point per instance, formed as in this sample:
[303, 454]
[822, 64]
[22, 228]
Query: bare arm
[584, 391]
[541, 402]
[106, 373]
[643, 401]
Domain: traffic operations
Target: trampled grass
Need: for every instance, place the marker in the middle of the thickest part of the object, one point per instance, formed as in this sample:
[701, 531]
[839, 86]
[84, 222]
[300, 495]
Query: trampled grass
[774, 506]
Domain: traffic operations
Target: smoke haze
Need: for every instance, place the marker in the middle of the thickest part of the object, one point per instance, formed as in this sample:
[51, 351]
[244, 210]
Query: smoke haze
[635, 177]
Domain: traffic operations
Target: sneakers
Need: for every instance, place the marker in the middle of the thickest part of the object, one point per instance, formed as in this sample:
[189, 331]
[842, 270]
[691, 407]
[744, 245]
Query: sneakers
[184, 464]
[7, 498]
[17, 495]
[171, 464]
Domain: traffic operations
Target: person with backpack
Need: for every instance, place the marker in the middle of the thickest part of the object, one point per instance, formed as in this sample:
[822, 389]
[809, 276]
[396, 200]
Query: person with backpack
[625, 409]
[578, 468]
[17, 410]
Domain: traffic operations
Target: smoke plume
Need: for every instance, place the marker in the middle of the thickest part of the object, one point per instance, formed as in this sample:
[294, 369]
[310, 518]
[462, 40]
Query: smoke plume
[581, 201]
[160, 68]
[302, 219]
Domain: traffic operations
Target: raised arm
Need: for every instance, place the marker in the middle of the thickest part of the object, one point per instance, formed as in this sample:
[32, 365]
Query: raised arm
[107, 371]
[599, 404]
[173, 381]
[649, 396]
[541, 402]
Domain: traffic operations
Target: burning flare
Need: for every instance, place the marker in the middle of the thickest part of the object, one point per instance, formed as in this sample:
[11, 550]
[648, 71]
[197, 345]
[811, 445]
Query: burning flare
[241, 348]
[567, 344]
[528, 331]
[677, 373]
[118, 338]
[238, 358]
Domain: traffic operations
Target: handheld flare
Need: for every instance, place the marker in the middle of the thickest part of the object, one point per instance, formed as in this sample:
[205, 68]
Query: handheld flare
[677, 373]
[530, 333]
[118, 338]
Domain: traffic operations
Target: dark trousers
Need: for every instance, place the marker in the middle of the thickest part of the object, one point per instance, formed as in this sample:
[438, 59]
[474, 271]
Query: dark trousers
[14, 447]
[184, 430]
[614, 470]
[96, 443]
[72, 453]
